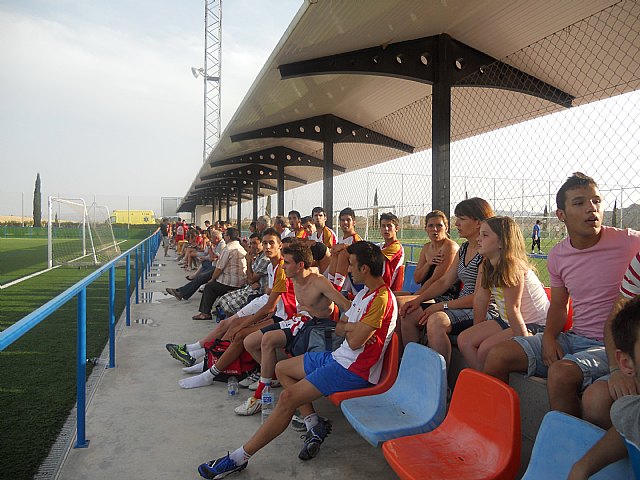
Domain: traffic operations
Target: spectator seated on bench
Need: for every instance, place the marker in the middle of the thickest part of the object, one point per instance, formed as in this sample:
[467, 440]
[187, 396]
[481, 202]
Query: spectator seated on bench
[590, 264]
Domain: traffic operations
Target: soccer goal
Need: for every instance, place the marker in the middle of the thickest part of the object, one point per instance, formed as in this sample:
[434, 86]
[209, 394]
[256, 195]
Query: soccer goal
[79, 235]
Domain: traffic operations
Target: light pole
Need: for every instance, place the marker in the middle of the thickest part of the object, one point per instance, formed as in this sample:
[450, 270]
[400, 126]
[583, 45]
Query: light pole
[211, 74]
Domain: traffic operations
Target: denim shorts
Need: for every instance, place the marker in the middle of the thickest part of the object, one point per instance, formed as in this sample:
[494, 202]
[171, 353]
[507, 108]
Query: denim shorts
[588, 354]
[462, 318]
[532, 328]
[329, 376]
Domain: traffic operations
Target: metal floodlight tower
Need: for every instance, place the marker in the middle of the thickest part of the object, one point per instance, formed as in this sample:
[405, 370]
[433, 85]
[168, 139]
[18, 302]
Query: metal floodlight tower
[211, 74]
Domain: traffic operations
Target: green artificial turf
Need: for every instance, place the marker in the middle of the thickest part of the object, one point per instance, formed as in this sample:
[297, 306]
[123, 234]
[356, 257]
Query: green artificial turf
[38, 384]
[21, 256]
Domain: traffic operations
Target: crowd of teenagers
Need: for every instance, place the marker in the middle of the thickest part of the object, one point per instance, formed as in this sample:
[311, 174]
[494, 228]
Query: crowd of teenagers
[268, 291]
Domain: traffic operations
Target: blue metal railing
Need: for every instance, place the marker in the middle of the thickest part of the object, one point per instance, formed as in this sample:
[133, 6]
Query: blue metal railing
[144, 253]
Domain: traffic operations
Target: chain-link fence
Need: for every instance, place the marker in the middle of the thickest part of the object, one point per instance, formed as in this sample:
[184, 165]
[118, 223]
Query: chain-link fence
[514, 149]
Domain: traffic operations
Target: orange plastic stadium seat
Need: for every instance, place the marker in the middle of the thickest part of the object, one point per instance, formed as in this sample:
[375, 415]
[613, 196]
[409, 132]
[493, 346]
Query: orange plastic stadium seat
[399, 280]
[387, 376]
[569, 322]
[479, 438]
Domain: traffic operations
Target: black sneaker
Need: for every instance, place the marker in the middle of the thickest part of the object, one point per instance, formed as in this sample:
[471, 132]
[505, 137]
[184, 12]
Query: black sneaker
[314, 438]
[180, 353]
[220, 468]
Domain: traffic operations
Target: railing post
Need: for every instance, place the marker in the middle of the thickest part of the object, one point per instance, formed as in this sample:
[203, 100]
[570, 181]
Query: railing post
[143, 272]
[137, 276]
[81, 370]
[112, 316]
[128, 296]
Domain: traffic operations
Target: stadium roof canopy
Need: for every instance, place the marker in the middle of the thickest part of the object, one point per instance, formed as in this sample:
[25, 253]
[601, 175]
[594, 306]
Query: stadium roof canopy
[307, 94]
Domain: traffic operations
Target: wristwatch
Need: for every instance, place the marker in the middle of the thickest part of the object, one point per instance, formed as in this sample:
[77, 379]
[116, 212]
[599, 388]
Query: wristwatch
[445, 306]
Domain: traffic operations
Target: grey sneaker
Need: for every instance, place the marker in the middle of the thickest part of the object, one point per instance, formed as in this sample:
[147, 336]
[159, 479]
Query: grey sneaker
[253, 377]
[180, 353]
[314, 438]
[298, 425]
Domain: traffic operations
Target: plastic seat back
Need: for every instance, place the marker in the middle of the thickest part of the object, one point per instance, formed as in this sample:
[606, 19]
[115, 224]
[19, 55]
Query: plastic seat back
[479, 438]
[422, 379]
[409, 284]
[569, 323]
[388, 375]
[416, 402]
[634, 457]
[492, 409]
[561, 441]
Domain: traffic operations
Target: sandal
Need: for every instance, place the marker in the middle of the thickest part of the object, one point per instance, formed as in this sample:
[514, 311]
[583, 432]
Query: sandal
[202, 316]
[188, 277]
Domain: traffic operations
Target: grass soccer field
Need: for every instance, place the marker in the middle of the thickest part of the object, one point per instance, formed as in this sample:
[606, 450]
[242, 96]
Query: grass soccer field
[37, 385]
[21, 256]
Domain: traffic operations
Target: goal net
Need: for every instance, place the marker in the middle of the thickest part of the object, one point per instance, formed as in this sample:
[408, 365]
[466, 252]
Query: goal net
[79, 235]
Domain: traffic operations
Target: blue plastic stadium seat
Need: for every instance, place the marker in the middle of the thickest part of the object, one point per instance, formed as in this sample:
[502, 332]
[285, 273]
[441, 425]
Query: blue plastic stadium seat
[416, 403]
[409, 284]
[634, 457]
[562, 440]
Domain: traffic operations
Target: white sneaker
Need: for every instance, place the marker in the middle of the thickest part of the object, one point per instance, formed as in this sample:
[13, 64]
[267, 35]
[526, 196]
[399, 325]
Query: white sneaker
[253, 377]
[254, 386]
[250, 407]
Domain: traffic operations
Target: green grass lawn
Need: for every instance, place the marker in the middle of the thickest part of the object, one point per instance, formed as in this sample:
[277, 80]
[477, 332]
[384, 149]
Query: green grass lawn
[21, 256]
[37, 385]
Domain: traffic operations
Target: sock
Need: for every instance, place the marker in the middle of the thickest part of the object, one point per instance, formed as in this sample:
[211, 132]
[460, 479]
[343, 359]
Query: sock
[239, 456]
[331, 277]
[339, 281]
[311, 421]
[197, 368]
[214, 371]
[202, 380]
[263, 382]
[197, 352]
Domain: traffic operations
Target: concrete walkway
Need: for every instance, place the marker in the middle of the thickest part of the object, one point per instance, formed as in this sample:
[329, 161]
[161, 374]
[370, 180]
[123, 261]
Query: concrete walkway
[142, 425]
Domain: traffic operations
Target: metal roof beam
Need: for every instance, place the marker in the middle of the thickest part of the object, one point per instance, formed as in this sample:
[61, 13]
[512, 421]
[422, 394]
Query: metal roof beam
[254, 173]
[324, 128]
[287, 157]
[418, 60]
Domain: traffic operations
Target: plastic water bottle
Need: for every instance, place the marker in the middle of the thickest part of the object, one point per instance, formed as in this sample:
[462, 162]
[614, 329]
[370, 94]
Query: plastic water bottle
[232, 388]
[267, 402]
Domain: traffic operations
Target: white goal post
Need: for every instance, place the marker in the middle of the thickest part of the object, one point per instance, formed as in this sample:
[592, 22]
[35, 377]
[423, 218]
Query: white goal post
[79, 235]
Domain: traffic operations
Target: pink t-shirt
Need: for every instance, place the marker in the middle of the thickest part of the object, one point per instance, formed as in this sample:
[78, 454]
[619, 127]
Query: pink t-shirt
[592, 276]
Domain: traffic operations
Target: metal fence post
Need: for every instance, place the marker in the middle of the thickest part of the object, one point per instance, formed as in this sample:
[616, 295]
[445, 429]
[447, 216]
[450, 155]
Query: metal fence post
[137, 276]
[143, 272]
[128, 297]
[112, 316]
[81, 370]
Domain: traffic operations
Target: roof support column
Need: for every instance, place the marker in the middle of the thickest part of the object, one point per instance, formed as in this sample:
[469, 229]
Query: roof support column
[219, 208]
[281, 189]
[213, 209]
[228, 207]
[239, 205]
[441, 130]
[327, 181]
[256, 189]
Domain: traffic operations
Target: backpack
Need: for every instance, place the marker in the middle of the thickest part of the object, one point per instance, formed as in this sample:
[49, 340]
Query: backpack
[316, 335]
[240, 368]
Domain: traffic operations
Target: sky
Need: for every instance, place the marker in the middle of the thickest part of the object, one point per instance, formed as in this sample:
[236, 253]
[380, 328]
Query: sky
[98, 97]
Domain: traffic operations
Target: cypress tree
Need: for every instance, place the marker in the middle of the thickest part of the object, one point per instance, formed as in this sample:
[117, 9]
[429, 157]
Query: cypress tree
[37, 204]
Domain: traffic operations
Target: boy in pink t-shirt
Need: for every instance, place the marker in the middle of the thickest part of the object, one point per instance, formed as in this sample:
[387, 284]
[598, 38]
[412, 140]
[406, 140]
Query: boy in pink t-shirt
[588, 266]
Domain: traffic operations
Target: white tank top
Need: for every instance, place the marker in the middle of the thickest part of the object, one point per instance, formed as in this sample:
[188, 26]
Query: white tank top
[533, 305]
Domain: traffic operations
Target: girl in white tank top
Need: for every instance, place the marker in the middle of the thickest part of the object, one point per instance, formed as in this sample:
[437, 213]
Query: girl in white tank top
[505, 275]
